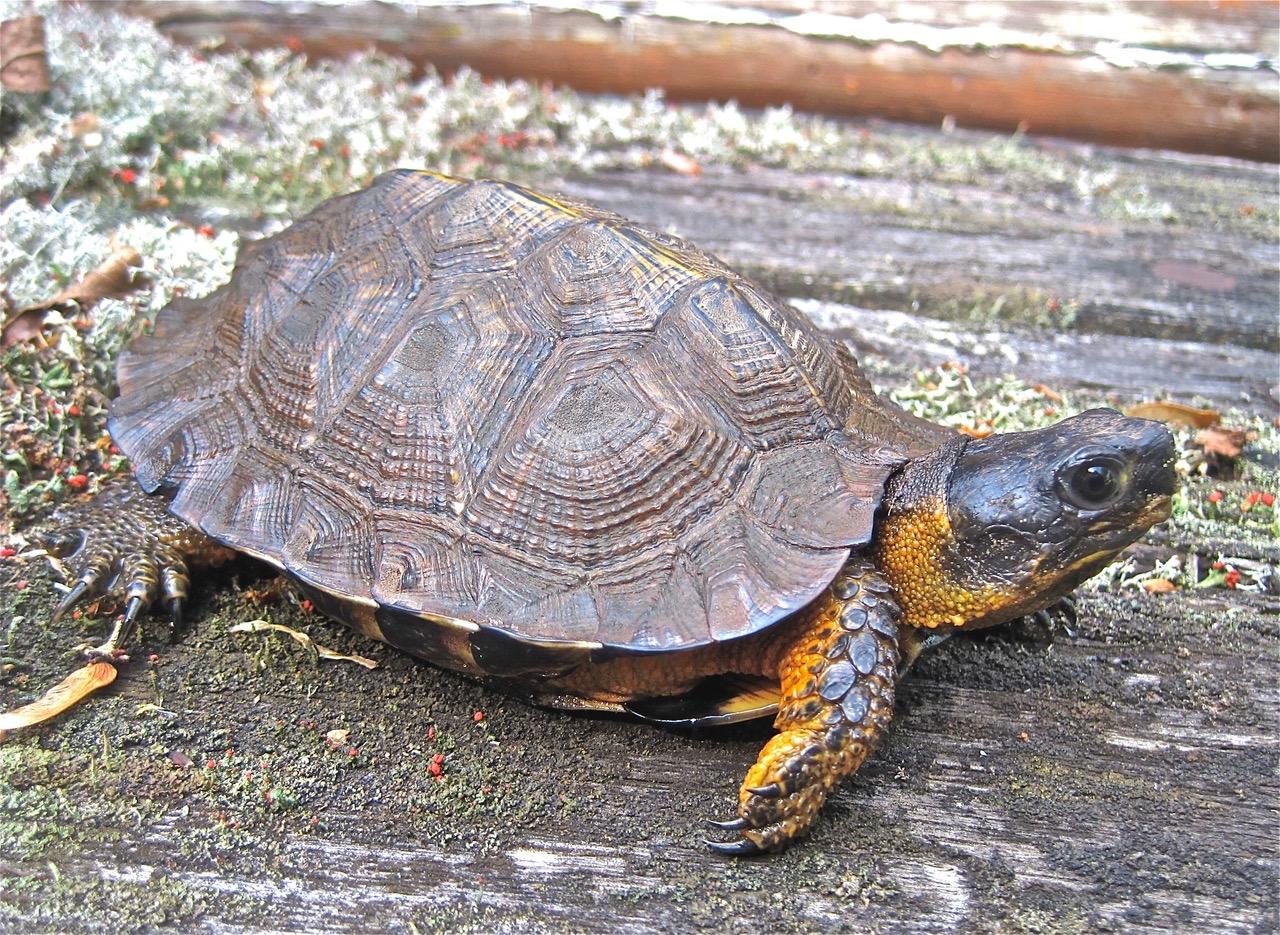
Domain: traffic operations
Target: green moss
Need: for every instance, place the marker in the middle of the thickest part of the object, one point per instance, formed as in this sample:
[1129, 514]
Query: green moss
[1016, 306]
[34, 819]
[53, 896]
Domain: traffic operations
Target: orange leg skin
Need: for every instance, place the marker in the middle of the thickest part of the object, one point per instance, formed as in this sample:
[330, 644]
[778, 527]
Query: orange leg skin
[837, 699]
[125, 543]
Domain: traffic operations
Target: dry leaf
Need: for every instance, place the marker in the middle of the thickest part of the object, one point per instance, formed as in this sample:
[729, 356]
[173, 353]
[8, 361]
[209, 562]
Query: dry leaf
[24, 66]
[113, 279]
[1178, 414]
[1159, 586]
[324, 652]
[974, 432]
[1048, 392]
[1221, 441]
[677, 161]
[62, 696]
[337, 737]
[84, 123]
[24, 326]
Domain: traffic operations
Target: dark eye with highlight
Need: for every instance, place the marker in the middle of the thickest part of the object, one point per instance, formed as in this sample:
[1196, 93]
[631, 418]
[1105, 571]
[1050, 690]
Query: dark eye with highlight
[1092, 484]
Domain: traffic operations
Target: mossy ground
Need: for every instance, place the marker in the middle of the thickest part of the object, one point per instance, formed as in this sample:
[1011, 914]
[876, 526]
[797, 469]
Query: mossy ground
[214, 757]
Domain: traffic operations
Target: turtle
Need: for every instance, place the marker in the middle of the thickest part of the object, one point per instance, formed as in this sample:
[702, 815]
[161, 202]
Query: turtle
[526, 439]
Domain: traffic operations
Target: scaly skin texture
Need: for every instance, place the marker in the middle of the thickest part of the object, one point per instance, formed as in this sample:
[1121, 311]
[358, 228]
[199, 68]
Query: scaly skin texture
[837, 699]
[911, 545]
[125, 543]
[909, 549]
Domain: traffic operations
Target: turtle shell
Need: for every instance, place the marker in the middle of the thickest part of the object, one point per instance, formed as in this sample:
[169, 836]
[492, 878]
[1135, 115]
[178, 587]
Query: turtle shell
[469, 402]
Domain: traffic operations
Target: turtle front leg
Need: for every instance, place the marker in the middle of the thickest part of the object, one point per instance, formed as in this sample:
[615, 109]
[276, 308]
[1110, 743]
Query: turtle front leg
[838, 679]
[124, 543]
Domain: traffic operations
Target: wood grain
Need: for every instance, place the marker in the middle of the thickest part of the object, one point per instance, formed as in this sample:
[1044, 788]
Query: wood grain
[1121, 779]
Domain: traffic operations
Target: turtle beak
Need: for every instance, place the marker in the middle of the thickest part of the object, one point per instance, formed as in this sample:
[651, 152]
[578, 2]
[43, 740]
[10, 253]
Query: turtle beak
[1153, 476]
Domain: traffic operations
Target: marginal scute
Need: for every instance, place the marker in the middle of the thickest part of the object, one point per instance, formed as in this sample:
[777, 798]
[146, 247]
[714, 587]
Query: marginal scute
[471, 402]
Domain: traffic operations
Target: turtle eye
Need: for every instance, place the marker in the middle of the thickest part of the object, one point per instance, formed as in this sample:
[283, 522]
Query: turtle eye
[1092, 484]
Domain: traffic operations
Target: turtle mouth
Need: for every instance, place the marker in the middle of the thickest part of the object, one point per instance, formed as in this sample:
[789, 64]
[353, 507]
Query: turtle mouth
[1131, 526]
[1106, 538]
[1158, 509]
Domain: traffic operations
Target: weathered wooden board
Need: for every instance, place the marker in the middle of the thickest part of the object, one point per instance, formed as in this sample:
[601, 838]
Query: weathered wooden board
[1197, 76]
[1123, 778]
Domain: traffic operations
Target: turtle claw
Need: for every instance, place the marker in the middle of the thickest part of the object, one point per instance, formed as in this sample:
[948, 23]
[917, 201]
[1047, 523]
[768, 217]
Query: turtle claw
[737, 824]
[771, 791]
[69, 601]
[743, 847]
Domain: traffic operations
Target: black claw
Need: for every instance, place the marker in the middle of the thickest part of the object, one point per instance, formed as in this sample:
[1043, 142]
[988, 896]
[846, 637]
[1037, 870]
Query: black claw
[743, 847]
[174, 607]
[69, 600]
[737, 824]
[131, 610]
[771, 791]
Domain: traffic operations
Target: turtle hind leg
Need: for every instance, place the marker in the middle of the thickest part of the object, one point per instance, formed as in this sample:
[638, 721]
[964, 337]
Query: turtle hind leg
[837, 698]
[125, 544]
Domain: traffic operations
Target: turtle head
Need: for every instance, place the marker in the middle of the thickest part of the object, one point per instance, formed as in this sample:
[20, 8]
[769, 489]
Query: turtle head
[982, 531]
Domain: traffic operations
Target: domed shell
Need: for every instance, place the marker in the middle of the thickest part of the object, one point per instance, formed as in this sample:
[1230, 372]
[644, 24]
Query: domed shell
[472, 402]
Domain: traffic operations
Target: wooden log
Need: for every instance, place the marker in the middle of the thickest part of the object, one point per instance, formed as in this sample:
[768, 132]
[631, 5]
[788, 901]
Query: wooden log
[1194, 76]
[1122, 778]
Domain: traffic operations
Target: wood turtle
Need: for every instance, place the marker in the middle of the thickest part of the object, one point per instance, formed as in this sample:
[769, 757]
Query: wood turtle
[534, 442]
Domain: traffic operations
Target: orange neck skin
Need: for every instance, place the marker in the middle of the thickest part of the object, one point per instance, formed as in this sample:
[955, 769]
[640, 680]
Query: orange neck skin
[909, 550]
[913, 543]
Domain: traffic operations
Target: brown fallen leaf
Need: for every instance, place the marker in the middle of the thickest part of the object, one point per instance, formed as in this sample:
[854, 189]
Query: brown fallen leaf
[677, 161]
[62, 696]
[1159, 586]
[1177, 413]
[113, 279]
[338, 736]
[24, 65]
[1221, 441]
[324, 652]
